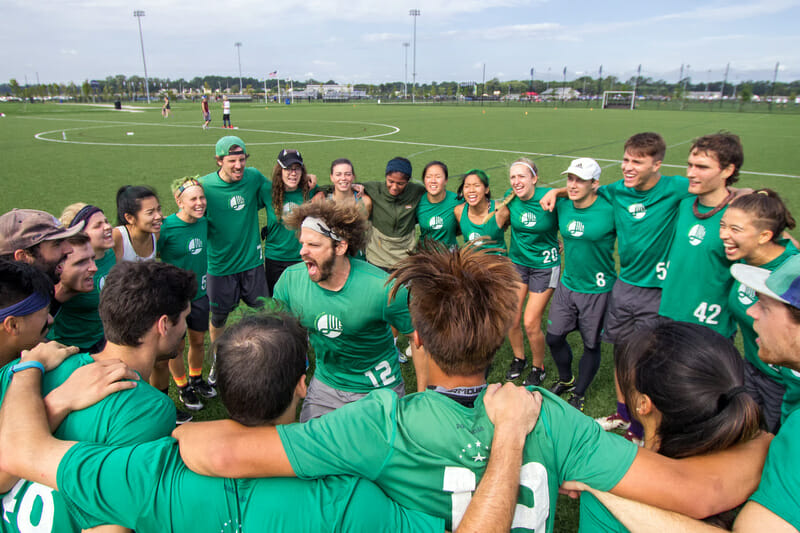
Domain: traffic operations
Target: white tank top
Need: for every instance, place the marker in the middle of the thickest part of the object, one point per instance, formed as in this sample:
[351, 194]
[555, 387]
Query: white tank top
[128, 253]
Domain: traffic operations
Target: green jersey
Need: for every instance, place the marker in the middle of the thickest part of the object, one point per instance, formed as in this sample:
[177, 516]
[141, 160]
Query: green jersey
[147, 488]
[234, 240]
[77, 322]
[281, 243]
[489, 234]
[589, 236]
[779, 490]
[534, 232]
[645, 222]
[428, 452]
[349, 328]
[136, 415]
[185, 245]
[740, 299]
[698, 279]
[437, 221]
[596, 518]
[791, 398]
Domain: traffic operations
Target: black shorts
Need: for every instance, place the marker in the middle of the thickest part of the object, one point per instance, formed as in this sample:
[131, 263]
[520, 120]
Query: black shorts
[273, 270]
[224, 292]
[198, 316]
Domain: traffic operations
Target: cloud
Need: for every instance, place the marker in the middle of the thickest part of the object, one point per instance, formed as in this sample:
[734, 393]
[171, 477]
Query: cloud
[68, 52]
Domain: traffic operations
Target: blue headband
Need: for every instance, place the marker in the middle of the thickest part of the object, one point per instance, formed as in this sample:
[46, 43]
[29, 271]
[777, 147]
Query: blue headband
[84, 214]
[35, 302]
[399, 165]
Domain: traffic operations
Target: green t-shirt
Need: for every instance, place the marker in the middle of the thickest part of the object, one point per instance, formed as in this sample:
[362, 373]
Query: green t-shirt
[534, 232]
[77, 322]
[740, 299]
[645, 222]
[147, 488]
[779, 490]
[791, 397]
[589, 236]
[136, 415]
[394, 216]
[281, 243]
[437, 221]
[428, 452]
[234, 241]
[699, 276]
[185, 245]
[350, 328]
[490, 235]
[595, 518]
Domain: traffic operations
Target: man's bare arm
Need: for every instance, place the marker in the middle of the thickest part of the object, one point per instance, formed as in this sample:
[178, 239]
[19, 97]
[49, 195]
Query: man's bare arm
[225, 448]
[698, 486]
[548, 201]
[514, 412]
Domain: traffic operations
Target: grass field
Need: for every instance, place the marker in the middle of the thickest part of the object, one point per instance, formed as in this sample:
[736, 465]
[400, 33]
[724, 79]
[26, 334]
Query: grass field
[60, 154]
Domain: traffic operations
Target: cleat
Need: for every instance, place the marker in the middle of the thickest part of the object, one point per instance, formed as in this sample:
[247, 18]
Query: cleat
[515, 369]
[535, 378]
[577, 401]
[202, 388]
[181, 417]
[563, 386]
[189, 398]
[612, 422]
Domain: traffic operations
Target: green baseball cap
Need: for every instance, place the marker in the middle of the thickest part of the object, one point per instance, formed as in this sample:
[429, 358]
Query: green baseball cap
[225, 144]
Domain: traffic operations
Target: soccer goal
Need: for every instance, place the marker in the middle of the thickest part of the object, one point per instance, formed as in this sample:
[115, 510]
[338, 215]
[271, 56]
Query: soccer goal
[619, 99]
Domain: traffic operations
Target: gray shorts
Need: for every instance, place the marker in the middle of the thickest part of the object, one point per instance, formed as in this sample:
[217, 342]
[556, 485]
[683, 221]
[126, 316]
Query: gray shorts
[767, 393]
[224, 292]
[631, 308]
[539, 279]
[570, 310]
[198, 316]
[322, 398]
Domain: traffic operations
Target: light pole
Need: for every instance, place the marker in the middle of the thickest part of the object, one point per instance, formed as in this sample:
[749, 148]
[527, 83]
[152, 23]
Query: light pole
[414, 13]
[239, 56]
[139, 14]
[405, 85]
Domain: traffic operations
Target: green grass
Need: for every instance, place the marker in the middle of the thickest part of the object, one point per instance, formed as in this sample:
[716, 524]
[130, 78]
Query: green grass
[99, 156]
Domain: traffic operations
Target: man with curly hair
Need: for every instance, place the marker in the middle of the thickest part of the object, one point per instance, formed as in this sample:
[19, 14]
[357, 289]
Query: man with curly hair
[344, 304]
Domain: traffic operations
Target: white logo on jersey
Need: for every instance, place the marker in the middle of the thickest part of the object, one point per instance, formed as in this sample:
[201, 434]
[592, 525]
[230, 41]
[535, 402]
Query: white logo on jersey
[195, 246]
[747, 296]
[575, 228]
[795, 372]
[288, 207]
[475, 451]
[237, 203]
[637, 211]
[474, 236]
[528, 219]
[436, 222]
[329, 325]
[696, 234]
[101, 283]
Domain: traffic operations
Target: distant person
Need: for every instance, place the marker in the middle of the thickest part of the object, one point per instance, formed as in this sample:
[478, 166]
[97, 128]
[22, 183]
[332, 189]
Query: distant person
[165, 107]
[226, 113]
[206, 112]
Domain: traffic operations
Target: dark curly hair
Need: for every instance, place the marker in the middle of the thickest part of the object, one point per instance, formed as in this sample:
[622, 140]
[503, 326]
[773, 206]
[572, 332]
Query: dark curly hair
[346, 220]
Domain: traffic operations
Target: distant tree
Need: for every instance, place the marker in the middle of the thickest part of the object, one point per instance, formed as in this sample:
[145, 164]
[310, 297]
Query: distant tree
[745, 95]
[16, 90]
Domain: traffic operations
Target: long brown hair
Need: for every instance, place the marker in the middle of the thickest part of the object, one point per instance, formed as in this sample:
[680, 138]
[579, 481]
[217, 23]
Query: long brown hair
[278, 188]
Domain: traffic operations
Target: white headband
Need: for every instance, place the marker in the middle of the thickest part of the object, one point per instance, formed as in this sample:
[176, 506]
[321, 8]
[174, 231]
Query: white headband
[533, 172]
[318, 225]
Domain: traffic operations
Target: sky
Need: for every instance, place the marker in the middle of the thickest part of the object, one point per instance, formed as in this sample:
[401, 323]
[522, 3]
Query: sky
[361, 41]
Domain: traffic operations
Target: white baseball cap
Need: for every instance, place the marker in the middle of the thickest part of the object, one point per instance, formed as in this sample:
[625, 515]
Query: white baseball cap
[585, 168]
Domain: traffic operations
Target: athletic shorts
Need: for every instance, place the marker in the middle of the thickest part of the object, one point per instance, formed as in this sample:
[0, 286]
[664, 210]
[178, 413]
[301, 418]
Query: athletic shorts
[767, 393]
[207, 117]
[226, 116]
[570, 310]
[631, 308]
[273, 270]
[224, 292]
[198, 316]
[539, 279]
[322, 398]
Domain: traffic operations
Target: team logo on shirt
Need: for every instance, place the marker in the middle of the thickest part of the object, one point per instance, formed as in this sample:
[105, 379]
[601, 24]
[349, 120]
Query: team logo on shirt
[237, 203]
[475, 451]
[528, 219]
[288, 207]
[436, 222]
[696, 234]
[747, 296]
[637, 211]
[101, 283]
[474, 236]
[329, 325]
[195, 246]
[575, 228]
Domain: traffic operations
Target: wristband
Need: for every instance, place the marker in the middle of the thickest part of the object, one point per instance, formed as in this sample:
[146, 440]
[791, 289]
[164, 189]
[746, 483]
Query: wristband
[25, 366]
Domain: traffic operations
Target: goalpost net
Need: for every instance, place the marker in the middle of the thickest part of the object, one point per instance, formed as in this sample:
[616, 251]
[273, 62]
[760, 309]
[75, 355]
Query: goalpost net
[619, 99]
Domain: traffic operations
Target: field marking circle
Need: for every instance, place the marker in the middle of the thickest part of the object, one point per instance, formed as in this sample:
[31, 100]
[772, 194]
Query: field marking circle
[42, 136]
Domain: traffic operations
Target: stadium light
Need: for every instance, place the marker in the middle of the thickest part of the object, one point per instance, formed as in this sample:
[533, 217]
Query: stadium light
[414, 13]
[405, 85]
[239, 56]
[139, 14]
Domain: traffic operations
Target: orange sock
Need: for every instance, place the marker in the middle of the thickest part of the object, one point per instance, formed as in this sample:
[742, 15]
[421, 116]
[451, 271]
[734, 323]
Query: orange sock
[180, 381]
[195, 372]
